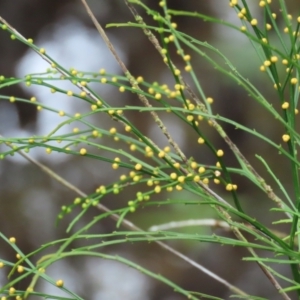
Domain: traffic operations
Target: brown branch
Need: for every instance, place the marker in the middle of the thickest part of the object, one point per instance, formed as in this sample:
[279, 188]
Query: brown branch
[134, 83]
[126, 223]
[224, 135]
[270, 193]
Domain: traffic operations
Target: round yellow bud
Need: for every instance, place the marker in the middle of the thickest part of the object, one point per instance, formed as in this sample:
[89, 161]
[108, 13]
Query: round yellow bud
[59, 283]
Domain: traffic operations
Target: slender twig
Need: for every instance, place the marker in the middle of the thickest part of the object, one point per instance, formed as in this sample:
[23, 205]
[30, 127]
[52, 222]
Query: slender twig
[48, 59]
[147, 104]
[152, 38]
[187, 223]
[164, 130]
[268, 274]
[93, 97]
[126, 223]
[160, 124]
[224, 135]
[134, 83]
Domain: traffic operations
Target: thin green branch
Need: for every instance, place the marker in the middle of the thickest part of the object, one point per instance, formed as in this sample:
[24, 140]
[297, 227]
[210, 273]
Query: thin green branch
[129, 225]
[134, 83]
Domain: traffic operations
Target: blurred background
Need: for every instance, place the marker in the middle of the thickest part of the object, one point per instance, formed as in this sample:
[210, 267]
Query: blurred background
[30, 200]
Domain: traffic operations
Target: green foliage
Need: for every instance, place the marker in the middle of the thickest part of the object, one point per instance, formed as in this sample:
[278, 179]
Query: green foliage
[153, 170]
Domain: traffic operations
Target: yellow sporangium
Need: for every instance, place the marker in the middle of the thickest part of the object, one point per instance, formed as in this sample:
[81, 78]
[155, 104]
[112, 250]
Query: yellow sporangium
[157, 189]
[286, 138]
[201, 140]
[210, 100]
[220, 153]
[138, 167]
[59, 283]
[294, 80]
[12, 240]
[11, 291]
[113, 130]
[229, 187]
[254, 22]
[274, 59]
[83, 151]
